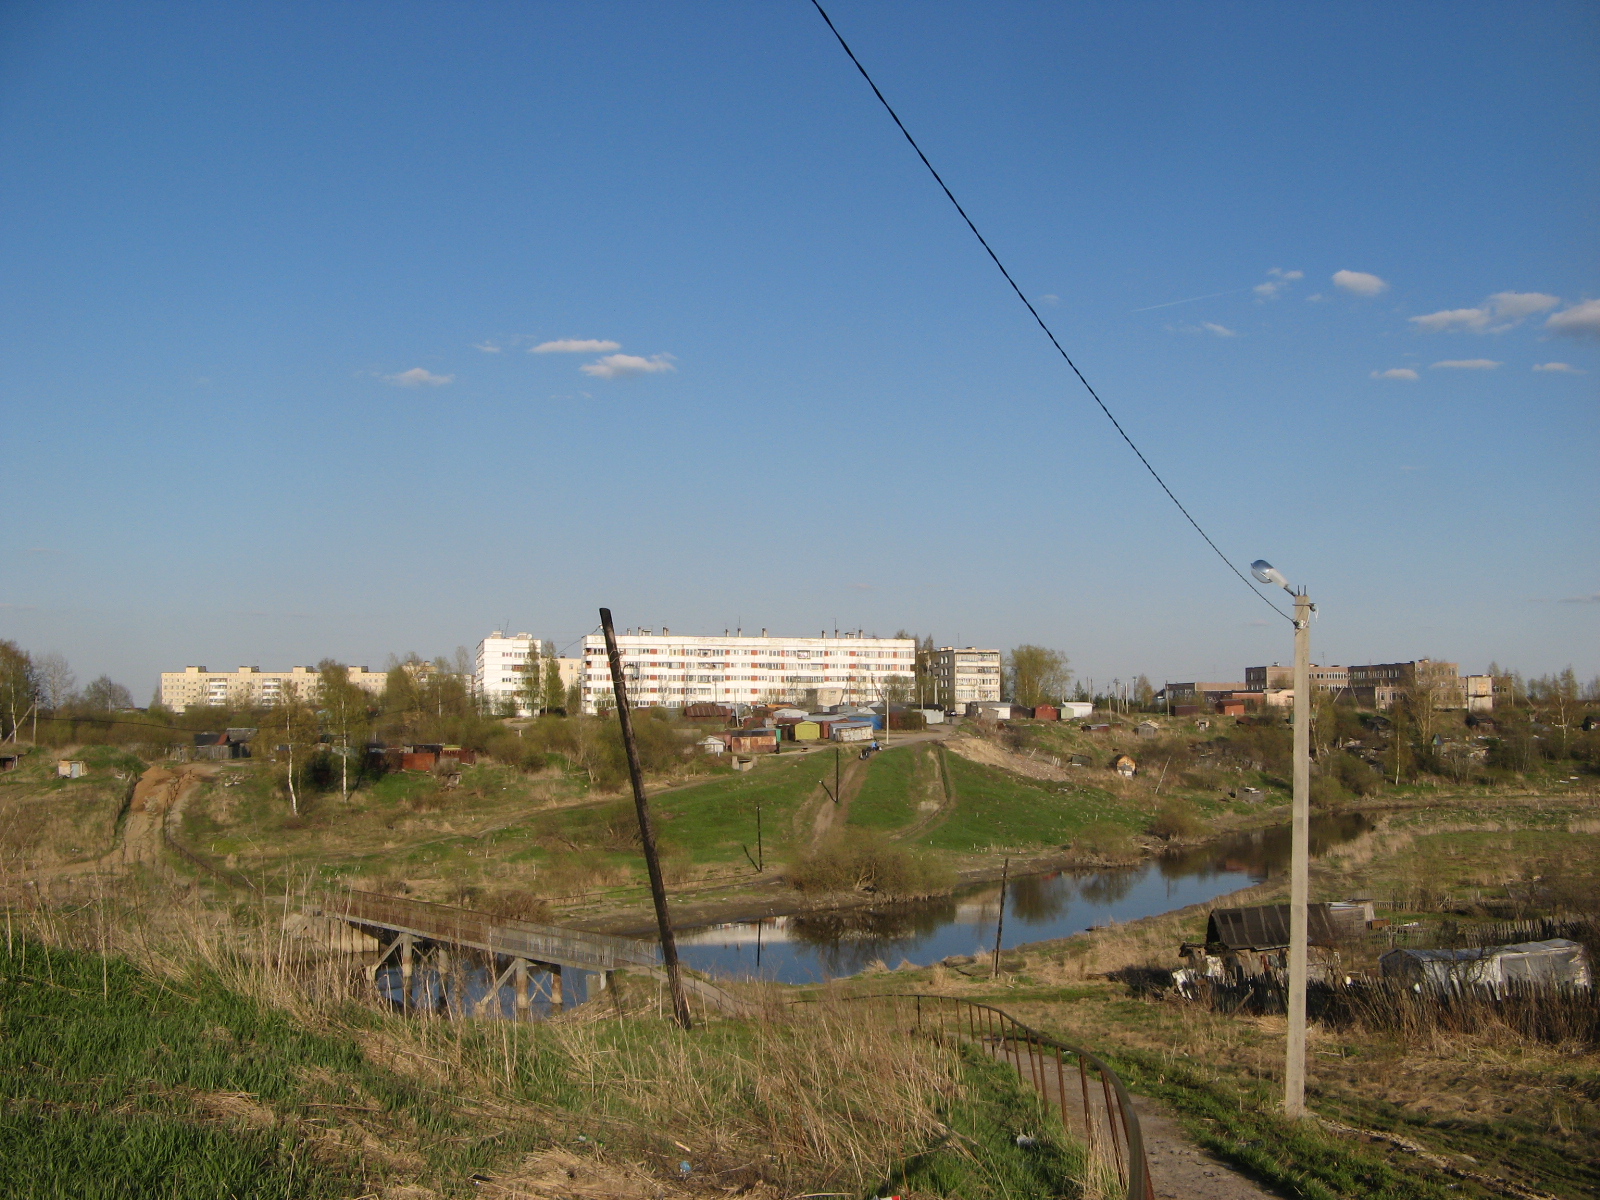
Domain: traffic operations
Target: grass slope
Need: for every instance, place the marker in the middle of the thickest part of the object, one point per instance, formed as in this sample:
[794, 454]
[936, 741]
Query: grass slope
[996, 809]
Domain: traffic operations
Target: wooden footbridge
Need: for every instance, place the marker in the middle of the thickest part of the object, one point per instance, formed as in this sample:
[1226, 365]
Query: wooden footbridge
[410, 929]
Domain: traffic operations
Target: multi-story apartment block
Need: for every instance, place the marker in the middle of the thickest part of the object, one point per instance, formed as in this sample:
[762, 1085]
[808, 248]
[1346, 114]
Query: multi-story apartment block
[964, 675]
[251, 687]
[502, 668]
[674, 670]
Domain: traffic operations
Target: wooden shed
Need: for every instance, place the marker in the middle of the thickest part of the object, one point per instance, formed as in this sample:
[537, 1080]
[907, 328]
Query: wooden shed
[1124, 765]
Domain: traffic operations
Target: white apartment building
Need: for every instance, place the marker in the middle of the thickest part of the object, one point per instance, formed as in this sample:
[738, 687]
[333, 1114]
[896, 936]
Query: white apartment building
[251, 687]
[965, 675]
[674, 670]
[502, 666]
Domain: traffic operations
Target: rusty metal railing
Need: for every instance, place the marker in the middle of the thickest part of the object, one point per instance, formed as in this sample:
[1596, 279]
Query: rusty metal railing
[1098, 1108]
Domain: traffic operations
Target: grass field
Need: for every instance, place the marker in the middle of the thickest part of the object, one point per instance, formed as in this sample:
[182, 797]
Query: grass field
[227, 1076]
[995, 810]
[46, 820]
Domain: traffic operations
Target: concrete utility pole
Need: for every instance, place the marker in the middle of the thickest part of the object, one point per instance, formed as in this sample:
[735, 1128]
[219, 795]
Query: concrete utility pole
[647, 833]
[1294, 1069]
[1294, 1074]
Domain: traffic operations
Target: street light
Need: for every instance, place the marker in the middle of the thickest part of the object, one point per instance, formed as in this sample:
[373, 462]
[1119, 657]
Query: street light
[1294, 1073]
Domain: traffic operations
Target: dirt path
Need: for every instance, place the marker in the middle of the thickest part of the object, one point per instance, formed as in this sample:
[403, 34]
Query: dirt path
[981, 750]
[160, 795]
[1179, 1169]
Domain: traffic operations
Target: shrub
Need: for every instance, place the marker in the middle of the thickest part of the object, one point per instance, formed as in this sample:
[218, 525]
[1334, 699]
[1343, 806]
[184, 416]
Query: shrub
[1356, 774]
[1177, 818]
[516, 905]
[1105, 839]
[866, 861]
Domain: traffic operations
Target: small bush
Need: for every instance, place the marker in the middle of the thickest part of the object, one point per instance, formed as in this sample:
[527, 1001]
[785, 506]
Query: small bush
[1177, 818]
[1357, 775]
[512, 904]
[1107, 840]
[865, 861]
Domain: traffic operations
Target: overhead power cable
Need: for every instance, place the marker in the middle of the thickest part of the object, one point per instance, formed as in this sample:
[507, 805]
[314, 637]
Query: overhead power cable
[1061, 350]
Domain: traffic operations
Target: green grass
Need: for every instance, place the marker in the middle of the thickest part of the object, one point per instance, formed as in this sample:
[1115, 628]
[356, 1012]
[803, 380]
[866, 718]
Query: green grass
[982, 1157]
[710, 821]
[896, 781]
[995, 808]
[112, 1081]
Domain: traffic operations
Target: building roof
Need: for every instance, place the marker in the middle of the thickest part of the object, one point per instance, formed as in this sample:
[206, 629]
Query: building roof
[1266, 927]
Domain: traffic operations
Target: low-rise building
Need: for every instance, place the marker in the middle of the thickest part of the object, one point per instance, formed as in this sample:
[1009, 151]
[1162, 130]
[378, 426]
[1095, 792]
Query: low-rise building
[674, 670]
[1379, 685]
[1200, 692]
[964, 675]
[251, 687]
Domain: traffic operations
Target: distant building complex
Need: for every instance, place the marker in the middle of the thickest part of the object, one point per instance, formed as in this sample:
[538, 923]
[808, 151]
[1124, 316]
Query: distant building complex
[501, 675]
[1376, 685]
[677, 670]
[251, 687]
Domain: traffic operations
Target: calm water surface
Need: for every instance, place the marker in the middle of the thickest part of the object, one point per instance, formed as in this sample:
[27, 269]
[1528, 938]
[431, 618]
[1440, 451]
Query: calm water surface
[817, 946]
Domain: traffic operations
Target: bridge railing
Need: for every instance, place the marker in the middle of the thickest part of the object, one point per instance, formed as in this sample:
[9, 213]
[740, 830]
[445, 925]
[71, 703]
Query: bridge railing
[1084, 1090]
[496, 935]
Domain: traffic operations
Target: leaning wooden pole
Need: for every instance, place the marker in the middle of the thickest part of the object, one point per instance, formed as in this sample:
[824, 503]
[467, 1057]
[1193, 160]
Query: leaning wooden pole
[647, 833]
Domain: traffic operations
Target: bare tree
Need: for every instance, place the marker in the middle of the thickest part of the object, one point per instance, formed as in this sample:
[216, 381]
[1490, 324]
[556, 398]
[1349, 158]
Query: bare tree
[56, 680]
[1036, 675]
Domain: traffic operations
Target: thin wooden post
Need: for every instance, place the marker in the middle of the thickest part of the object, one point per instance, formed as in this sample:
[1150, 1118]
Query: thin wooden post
[1000, 925]
[1061, 1092]
[647, 833]
[1089, 1123]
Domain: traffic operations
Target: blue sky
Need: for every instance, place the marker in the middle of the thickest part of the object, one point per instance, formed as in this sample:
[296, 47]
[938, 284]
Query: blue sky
[278, 276]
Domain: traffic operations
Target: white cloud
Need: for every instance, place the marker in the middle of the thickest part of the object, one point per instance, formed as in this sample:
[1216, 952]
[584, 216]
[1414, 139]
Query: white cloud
[1467, 364]
[417, 377]
[1219, 330]
[614, 366]
[1395, 373]
[1047, 298]
[1280, 280]
[1591, 599]
[486, 347]
[1579, 321]
[1566, 368]
[1360, 283]
[1501, 311]
[1514, 306]
[575, 346]
[1475, 319]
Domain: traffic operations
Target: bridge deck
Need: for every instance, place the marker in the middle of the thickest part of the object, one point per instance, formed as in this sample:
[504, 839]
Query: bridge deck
[496, 935]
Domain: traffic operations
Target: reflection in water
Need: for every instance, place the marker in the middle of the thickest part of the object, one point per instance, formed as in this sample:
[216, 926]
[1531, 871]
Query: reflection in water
[1038, 907]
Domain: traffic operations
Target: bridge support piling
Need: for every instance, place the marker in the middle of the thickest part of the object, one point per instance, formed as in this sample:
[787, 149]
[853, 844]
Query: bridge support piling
[405, 970]
[558, 999]
[524, 1005]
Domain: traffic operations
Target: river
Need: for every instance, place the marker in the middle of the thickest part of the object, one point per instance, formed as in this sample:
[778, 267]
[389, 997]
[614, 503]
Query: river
[824, 945]
[818, 946]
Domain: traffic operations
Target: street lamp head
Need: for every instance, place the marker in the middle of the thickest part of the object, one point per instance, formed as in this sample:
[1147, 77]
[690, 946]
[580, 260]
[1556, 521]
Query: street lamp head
[1267, 573]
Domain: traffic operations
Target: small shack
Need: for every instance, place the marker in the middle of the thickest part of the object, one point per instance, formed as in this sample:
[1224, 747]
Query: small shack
[852, 731]
[1148, 729]
[1559, 962]
[712, 745]
[1075, 710]
[1124, 765]
[11, 757]
[1046, 712]
[1245, 942]
[71, 768]
[806, 730]
[1230, 708]
[752, 741]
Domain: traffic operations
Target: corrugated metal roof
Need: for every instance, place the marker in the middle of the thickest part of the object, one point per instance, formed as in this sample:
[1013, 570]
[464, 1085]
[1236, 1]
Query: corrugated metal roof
[1266, 927]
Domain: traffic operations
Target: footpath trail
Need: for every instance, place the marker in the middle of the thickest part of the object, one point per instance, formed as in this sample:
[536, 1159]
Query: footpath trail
[1179, 1169]
[159, 796]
